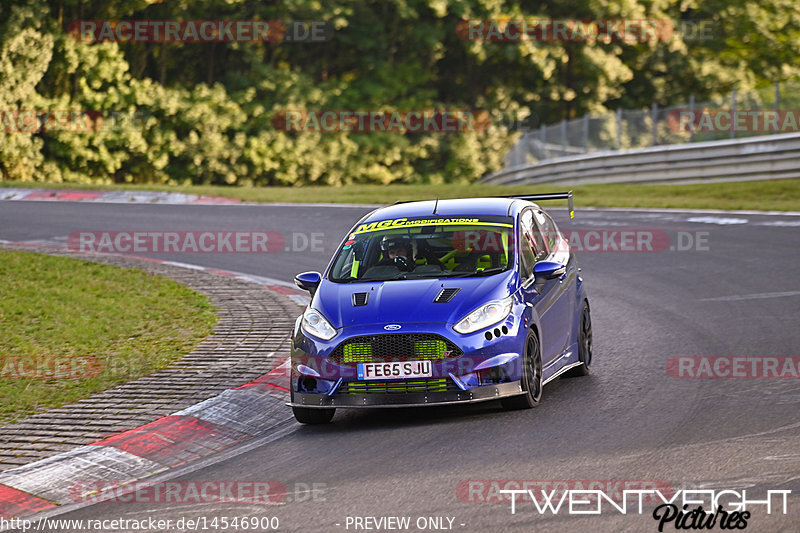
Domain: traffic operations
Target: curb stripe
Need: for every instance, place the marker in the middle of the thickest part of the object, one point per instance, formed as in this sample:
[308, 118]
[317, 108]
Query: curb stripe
[113, 197]
[270, 389]
[259, 385]
[14, 502]
[278, 377]
[221, 272]
[281, 289]
[62, 195]
[276, 382]
[173, 440]
[247, 411]
[54, 478]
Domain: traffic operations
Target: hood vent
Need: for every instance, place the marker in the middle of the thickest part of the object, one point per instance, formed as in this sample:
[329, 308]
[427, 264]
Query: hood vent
[445, 295]
[360, 299]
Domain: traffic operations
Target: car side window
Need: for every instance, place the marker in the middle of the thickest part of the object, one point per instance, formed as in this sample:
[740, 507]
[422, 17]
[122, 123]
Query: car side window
[549, 230]
[537, 236]
[527, 244]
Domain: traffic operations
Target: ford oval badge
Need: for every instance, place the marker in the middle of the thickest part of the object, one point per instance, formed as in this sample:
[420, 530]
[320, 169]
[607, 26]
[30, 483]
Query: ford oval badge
[392, 327]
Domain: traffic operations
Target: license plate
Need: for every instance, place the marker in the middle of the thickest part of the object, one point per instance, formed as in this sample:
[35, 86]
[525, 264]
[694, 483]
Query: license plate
[398, 370]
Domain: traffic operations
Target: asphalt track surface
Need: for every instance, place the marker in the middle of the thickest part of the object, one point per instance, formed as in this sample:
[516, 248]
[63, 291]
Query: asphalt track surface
[737, 294]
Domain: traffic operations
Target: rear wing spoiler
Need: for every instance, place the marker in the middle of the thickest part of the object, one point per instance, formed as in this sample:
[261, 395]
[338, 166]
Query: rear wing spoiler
[550, 196]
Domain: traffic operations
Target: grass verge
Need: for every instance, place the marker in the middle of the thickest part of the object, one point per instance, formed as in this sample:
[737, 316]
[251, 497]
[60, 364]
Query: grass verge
[767, 195]
[69, 328]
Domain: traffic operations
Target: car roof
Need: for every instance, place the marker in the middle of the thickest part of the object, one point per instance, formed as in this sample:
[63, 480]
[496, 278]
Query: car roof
[450, 208]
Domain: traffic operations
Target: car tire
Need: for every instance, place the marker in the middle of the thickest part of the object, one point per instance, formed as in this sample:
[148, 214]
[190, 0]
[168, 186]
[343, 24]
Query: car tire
[584, 345]
[531, 378]
[306, 415]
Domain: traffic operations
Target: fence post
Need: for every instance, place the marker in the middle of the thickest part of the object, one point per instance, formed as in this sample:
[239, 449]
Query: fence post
[543, 138]
[777, 96]
[691, 110]
[654, 118]
[563, 136]
[586, 132]
[619, 128]
[733, 112]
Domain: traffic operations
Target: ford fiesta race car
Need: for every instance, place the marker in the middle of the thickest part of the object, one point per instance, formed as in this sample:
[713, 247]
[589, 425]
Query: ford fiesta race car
[441, 302]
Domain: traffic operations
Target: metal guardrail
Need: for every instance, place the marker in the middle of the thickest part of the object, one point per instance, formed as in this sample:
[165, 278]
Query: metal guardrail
[748, 159]
[629, 129]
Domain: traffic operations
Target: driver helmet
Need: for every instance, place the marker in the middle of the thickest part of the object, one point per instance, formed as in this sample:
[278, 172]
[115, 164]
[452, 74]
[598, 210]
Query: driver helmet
[390, 242]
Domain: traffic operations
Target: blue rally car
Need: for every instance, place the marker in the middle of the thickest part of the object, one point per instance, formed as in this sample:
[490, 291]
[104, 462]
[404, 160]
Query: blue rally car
[442, 302]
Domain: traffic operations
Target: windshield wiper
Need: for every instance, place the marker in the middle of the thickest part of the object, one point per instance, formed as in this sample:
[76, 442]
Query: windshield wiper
[404, 275]
[379, 280]
[486, 272]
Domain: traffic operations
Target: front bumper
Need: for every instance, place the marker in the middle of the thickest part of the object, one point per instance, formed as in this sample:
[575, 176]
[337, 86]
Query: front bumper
[412, 399]
[488, 368]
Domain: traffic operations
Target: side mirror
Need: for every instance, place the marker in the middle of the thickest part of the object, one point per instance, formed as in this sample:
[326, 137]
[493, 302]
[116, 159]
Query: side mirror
[548, 270]
[308, 281]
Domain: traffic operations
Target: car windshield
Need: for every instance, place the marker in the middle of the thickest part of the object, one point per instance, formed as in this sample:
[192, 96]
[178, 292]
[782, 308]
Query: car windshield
[434, 247]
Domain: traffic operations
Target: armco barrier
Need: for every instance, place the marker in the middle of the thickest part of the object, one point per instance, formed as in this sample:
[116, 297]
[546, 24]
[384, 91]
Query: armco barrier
[753, 158]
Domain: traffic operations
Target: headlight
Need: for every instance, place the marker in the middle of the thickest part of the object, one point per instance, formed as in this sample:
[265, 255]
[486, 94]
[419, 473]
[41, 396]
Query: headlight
[485, 316]
[316, 324]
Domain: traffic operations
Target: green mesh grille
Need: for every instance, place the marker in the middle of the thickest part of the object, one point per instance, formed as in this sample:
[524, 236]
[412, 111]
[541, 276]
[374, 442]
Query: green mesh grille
[430, 349]
[388, 387]
[394, 347]
[357, 352]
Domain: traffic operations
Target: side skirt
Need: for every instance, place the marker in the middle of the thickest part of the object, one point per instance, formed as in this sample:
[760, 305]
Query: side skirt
[561, 371]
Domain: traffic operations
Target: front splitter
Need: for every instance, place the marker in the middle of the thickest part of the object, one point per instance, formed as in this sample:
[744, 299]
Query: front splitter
[416, 399]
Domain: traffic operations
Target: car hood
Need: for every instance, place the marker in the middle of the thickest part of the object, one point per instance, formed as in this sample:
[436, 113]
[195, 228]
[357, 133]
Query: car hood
[402, 301]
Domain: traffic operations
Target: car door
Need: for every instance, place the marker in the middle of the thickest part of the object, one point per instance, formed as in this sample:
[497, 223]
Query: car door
[547, 297]
[563, 309]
